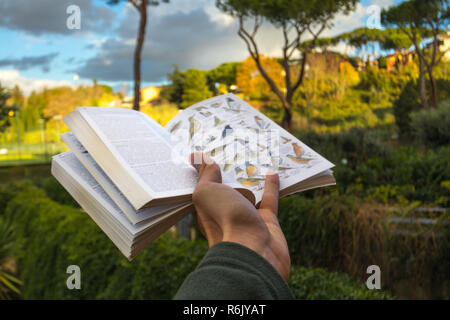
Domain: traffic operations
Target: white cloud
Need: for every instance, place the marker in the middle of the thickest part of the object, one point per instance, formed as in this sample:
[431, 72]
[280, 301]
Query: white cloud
[9, 78]
[192, 34]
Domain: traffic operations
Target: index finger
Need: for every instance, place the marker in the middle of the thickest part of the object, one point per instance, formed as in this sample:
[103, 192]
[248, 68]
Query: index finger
[271, 193]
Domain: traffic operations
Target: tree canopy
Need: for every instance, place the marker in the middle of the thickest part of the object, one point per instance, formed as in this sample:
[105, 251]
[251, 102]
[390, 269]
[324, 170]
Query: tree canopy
[296, 19]
[422, 19]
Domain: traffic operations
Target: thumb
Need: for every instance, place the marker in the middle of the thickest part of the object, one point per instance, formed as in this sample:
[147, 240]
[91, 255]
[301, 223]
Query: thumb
[271, 193]
[207, 168]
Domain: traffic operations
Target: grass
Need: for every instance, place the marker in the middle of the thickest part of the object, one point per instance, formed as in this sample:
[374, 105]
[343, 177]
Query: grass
[29, 153]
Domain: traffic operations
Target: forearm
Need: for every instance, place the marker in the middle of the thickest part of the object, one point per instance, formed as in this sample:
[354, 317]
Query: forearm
[232, 271]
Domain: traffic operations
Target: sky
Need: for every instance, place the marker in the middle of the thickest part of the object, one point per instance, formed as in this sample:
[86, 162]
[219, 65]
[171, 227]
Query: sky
[38, 49]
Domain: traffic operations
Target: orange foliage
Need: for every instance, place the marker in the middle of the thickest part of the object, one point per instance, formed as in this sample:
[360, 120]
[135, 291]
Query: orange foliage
[252, 83]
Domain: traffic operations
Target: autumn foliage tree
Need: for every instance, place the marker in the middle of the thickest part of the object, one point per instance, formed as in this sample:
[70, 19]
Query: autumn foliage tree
[297, 20]
[252, 83]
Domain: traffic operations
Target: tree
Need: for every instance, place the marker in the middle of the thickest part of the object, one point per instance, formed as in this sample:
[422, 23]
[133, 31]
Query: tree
[422, 19]
[6, 110]
[174, 91]
[223, 74]
[363, 39]
[296, 19]
[17, 96]
[252, 83]
[195, 88]
[394, 39]
[141, 7]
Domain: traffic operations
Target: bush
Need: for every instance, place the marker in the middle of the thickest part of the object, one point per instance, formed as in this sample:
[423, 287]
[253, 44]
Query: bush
[432, 127]
[418, 174]
[346, 234]
[318, 284]
[56, 191]
[9, 284]
[365, 161]
[355, 145]
[409, 101]
[9, 190]
[54, 236]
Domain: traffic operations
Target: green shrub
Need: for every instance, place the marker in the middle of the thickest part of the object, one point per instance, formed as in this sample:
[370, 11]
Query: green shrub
[355, 145]
[54, 236]
[347, 234]
[409, 101]
[10, 190]
[432, 127]
[318, 284]
[9, 284]
[418, 175]
[56, 192]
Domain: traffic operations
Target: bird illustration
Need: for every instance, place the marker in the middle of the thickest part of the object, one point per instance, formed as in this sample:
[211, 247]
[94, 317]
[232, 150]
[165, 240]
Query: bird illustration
[276, 160]
[241, 141]
[238, 170]
[254, 130]
[175, 127]
[298, 158]
[250, 182]
[279, 168]
[237, 157]
[262, 147]
[206, 114]
[194, 127]
[233, 106]
[210, 139]
[227, 131]
[216, 151]
[285, 140]
[251, 169]
[261, 123]
[218, 122]
[226, 166]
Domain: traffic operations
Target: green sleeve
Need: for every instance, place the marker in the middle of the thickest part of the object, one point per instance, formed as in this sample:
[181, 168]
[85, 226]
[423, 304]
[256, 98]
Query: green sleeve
[231, 271]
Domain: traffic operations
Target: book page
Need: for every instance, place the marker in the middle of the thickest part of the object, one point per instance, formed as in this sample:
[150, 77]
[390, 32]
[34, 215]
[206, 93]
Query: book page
[245, 143]
[78, 172]
[116, 195]
[144, 148]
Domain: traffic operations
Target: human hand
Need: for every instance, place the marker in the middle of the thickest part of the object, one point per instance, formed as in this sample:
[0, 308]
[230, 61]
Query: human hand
[223, 214]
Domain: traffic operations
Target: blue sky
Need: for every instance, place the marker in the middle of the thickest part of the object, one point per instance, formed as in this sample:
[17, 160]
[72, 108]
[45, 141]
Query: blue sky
[38, 50]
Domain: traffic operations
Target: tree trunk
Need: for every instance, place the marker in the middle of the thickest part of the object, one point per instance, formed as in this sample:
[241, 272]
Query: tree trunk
[184, 227]
[287, 116]
[137, 54]
[433, 87]
[422, 84]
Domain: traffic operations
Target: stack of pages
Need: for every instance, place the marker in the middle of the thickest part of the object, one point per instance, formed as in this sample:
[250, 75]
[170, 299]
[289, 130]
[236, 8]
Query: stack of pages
[134, 178]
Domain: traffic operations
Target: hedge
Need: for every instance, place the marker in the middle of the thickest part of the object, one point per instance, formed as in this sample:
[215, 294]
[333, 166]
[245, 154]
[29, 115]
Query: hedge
[431, 127]
[53, 236]
[348, 234]
[318, 284]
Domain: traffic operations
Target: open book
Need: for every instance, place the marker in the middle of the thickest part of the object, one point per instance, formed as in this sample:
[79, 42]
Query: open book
[134, 177]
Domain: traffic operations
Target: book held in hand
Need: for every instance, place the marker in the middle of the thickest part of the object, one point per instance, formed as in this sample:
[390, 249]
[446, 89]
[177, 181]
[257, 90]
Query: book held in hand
[134, 177]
